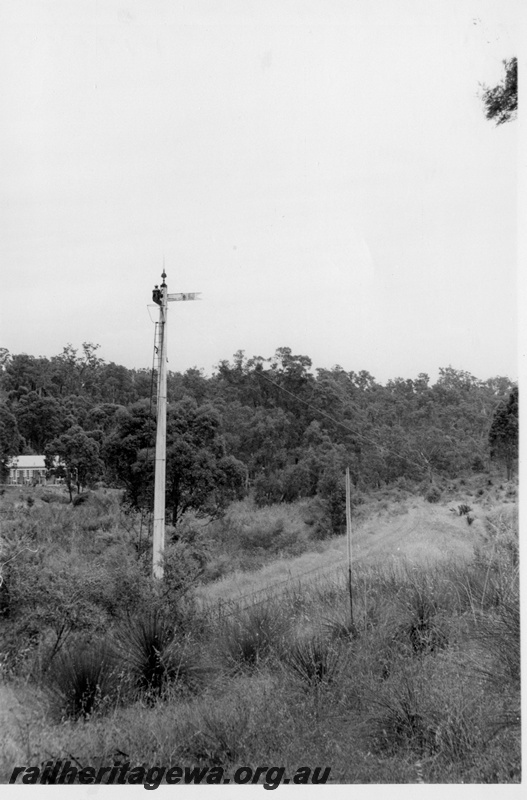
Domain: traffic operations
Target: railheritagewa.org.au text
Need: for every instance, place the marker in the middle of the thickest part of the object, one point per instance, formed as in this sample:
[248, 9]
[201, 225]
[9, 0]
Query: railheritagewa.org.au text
[64, 772]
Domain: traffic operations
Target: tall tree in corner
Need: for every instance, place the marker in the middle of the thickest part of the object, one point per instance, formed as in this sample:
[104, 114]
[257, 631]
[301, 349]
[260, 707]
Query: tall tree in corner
[503, 436]
[501, 101]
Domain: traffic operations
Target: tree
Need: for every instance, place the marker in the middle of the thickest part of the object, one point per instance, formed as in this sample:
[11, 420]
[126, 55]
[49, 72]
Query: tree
[23, 374]
[9, 439]
[103, 417]
[116, 384]
[129, 450]
[77, 374]
[40, 419]
[78, 455]
[332, 489]
[199, 473]
[501, 101]
[503, 436]
[5, 357]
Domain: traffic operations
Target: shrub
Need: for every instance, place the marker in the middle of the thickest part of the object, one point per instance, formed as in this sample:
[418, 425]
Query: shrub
[80, 499]
[479, 586]
[314, 659]
[322, 529]
[399, 723]
[433, 494]
[422, 627]
[83, 679]
[217, 568]
[263, 535]
[53, 596]
[156, 655]
[340, 626]
[183, 564]
[331, 490]
[498, 634]
[492, 578]
[250, 637]
[54, 497]
[419, 711]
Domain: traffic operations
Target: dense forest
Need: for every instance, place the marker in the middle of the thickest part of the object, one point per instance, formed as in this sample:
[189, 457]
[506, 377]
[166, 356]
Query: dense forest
[270, 425]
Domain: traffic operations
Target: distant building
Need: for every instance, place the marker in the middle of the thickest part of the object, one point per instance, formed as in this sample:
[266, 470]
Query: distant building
[28, 471]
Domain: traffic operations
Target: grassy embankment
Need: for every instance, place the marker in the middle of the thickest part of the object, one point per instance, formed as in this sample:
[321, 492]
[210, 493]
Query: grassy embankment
[424, 686]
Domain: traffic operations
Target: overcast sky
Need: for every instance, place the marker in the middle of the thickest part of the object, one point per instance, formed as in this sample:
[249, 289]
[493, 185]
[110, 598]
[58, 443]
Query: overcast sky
[321, 170]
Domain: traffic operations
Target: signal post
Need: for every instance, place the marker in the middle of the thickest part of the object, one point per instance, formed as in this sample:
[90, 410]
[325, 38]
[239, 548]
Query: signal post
[162, 298]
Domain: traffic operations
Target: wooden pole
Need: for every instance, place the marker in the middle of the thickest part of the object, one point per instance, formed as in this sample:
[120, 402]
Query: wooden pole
[160, 463]
[348, 531]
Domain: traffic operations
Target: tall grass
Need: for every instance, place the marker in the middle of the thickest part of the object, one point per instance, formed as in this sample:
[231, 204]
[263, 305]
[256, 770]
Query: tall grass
[248, 639]
[157, 655]
[423, 686]
[315, 660]
[84, 679]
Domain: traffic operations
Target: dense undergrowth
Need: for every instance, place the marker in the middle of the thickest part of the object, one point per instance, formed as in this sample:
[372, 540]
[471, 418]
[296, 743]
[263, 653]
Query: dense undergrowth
[101, 665]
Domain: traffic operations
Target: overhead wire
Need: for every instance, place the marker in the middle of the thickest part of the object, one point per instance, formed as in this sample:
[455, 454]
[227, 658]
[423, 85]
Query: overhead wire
[220, 605]
[383, 449]
[333, 567]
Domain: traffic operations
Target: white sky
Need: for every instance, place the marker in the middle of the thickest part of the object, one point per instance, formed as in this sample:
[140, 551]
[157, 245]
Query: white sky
[321, 170]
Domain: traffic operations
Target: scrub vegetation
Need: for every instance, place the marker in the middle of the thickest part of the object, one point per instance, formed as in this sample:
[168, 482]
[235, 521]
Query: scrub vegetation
[246, 652]
[102, 665]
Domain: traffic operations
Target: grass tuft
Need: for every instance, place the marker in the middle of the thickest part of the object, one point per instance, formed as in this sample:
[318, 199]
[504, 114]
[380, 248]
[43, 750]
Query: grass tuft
[314, 659]
[250, 637]
[84, 679]
[156, 655]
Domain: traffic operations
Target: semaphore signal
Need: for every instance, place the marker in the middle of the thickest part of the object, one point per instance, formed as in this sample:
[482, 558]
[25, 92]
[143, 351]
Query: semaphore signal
[162, 298]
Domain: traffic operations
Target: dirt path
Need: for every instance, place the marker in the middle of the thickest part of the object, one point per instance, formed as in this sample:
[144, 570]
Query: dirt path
[425, 534]
[416, 531]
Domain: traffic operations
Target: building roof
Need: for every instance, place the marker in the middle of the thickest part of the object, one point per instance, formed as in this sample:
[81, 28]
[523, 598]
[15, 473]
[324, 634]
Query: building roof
[27, 462]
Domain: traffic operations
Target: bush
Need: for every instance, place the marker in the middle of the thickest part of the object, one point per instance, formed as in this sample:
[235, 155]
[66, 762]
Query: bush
[53, 596]
[81, 499]
[433, 494]
[314, 659]
[340, 626]
[54, 497]
[268, 490]
[498, 635]
[433, 673]
[399, 723]
[84, 679]
[184, 563]
[422, 627]
[249, 638]
[155, 655]
[322, 529]
[428, 708]
[333, 493]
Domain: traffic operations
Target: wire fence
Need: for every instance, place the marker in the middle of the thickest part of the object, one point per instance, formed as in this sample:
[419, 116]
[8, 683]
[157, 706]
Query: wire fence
[221, 608]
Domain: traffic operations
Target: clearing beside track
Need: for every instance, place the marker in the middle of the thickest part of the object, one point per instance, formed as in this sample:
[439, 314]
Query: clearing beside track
[414, 531]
